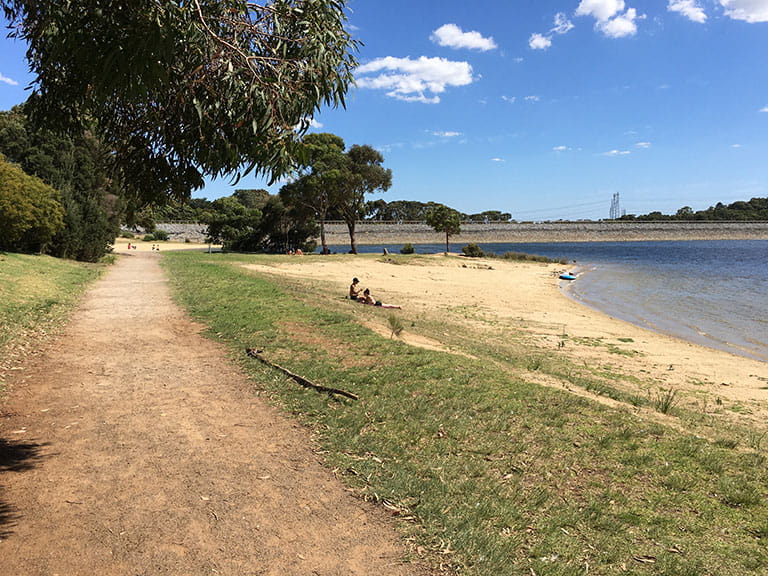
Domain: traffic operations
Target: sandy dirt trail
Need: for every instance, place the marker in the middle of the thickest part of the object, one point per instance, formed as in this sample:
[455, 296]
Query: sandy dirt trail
[132, 446]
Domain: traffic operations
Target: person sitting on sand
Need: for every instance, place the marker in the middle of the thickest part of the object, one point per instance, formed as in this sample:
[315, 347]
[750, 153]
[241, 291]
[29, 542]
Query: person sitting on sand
[354, 289]
[371, 301]
[368, 299]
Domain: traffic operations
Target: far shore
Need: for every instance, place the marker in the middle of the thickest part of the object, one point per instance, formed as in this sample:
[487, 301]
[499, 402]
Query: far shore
[368, 233]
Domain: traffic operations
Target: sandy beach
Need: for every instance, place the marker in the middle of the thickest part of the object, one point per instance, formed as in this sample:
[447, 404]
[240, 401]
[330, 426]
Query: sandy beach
[501, 300]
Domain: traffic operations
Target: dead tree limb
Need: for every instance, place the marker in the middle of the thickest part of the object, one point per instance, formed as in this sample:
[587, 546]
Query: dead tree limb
[253, 353]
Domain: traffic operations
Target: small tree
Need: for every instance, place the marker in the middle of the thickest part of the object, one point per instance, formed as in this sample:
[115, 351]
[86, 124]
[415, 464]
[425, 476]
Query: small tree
[444, 219]
[30, 211]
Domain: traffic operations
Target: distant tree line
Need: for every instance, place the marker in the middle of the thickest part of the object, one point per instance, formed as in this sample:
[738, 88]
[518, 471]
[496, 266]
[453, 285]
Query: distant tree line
[755, 209]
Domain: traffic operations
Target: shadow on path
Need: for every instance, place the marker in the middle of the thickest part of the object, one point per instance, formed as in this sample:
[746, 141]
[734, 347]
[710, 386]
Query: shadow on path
[15, 457]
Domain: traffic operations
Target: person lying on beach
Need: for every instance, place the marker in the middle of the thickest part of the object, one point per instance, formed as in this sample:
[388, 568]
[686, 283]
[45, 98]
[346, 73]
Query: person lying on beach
[368, 299]
[354, 289]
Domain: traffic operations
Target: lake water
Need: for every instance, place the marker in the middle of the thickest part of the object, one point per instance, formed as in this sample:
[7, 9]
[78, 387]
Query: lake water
[713, 292]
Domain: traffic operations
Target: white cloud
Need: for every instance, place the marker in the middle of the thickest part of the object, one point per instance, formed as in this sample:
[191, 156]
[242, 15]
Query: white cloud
[539, 42]
[748, 10]
[542, 42]
[509, 99]
[617, 153]
[9, 81]
[420, 80]
[611, 18]
[532, 98]
[497, 159]
[452, 36]
[446, 134]
[620, 26]
[601, 10]
[688, 8]
[560, 148]
[644, 145]
[735, 146]
[562, 24]
[765, 109]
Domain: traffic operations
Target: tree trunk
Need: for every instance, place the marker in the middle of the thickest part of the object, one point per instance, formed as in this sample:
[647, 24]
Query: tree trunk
[352, 241]
[322, 237]
[447, 246]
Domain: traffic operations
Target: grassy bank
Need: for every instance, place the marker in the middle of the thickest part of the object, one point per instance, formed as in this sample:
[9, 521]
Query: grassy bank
[490, 472]
[36, 294]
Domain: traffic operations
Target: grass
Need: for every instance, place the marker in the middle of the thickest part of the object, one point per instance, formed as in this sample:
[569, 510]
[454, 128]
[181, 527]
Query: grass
[36, 294]
[490, 473]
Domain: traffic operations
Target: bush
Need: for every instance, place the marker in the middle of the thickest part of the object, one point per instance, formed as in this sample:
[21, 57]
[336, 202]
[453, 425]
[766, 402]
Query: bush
[407, 249]
[473, 251]
[127, 235]
[161, 235]
[148, 238]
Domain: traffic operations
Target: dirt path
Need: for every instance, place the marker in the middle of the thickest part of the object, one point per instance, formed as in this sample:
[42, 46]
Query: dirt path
[133, 447]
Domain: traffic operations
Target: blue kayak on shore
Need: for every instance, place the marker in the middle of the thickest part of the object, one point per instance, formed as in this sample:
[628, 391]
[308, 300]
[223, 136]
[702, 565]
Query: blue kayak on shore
[567, 277]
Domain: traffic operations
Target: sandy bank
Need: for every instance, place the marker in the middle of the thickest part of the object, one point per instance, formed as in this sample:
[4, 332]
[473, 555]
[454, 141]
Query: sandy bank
[528, 298]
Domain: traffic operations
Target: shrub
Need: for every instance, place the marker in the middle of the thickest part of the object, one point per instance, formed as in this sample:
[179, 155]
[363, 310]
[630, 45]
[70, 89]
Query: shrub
[160, 235]
[407, 249]
[127, 235]
[473, 251]
[149, 238]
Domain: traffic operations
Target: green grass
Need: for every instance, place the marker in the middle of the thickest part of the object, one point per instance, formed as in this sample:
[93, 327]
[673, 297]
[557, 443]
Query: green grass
[36, 294]
[489, 472]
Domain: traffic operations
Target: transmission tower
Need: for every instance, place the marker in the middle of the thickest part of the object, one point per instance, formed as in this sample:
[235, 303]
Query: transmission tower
[615, 213]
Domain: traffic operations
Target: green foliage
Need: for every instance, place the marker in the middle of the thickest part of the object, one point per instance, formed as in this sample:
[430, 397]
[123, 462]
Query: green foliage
[160, 235]
[395, 325]
[31, 213]
[399, 210]
[273, 228]
[444, 219]
[317, 186]
[754, 209]
[332, 181]
[363, 174]
[148, 238]
[75, 166]
[473, 251]
[182, 89]
[407, 248]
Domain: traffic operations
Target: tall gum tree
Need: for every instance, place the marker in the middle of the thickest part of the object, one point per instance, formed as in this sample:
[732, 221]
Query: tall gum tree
[182, 89]
[318, 183]
[364, 175]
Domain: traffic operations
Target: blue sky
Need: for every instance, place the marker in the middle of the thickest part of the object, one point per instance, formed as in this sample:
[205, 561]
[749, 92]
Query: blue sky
[546, 108]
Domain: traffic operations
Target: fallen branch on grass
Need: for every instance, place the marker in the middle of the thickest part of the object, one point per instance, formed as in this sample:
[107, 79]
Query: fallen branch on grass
[253, 353]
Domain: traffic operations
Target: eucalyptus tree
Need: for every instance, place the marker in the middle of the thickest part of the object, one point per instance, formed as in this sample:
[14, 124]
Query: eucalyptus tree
[444, 219]
[182, 89]
[363, 174]
[318, 183]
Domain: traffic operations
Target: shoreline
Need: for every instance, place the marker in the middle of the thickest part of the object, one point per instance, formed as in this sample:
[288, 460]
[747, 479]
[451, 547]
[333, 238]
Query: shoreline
[526, 301]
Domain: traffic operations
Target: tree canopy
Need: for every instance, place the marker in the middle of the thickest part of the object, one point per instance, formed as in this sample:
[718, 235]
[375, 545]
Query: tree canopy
[30, 211]
[362, 174]
[178, 90]
[75, 167]
[755, 209]
[444, 219]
